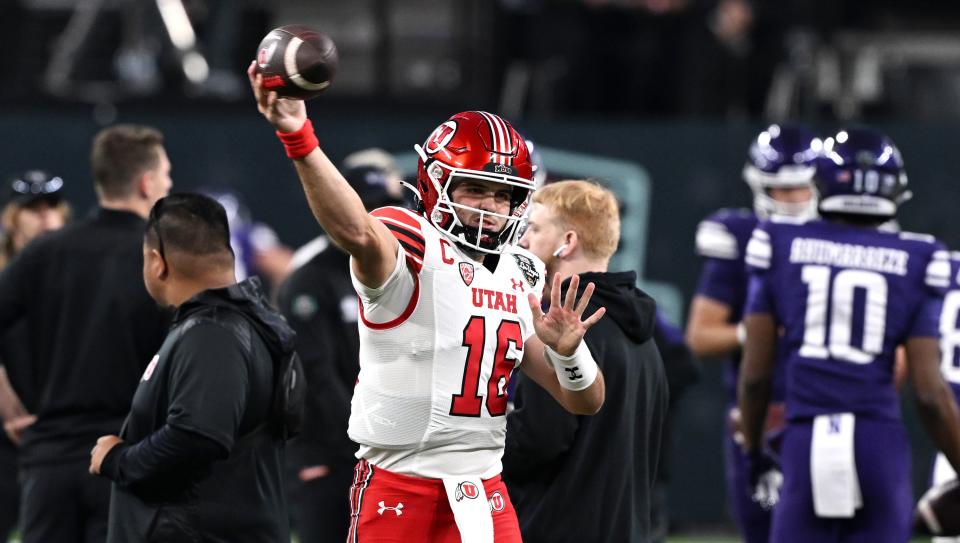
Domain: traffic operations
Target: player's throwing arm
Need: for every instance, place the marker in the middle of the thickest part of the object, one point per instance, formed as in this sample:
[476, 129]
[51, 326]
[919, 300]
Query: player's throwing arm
[334, 203]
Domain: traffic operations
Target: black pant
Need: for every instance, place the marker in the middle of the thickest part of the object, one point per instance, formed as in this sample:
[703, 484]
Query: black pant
[9, 489]
[63, 503]
[322, 506]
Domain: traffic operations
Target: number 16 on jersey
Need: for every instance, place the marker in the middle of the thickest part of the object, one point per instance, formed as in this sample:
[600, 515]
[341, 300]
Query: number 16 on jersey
[470, 400]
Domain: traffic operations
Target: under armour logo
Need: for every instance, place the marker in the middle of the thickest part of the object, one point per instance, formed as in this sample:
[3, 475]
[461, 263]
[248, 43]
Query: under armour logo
[574, 376]
[398, 509]
[517, 285]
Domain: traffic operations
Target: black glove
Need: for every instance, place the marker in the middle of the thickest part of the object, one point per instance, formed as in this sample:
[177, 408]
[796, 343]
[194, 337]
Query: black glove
[764, 477]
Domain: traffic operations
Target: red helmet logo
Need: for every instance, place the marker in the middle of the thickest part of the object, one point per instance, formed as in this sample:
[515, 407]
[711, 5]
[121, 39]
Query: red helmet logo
[440, 137]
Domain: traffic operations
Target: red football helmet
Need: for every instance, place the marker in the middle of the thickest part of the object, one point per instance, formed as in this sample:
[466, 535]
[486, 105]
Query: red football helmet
[475, 145]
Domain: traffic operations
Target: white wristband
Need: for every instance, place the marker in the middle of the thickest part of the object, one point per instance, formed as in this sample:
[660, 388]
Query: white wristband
[575, 372]
[741, 333]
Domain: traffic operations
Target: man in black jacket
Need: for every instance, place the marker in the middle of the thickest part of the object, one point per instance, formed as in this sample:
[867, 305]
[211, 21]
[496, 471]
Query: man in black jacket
[197, 460]
[575, 478]
[91, 330]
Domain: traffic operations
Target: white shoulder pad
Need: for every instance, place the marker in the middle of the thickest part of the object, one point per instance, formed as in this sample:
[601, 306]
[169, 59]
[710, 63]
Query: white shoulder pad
[759, 250]
[938, 270]
[916, 236]
[715, 241]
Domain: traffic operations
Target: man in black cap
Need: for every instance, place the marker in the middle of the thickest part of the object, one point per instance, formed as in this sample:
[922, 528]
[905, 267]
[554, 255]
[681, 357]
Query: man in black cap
[35, 206]
[320, 303]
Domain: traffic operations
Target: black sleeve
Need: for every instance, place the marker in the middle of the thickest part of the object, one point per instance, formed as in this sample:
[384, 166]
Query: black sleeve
[330, 392]
[539, 430]
[679, 363]
[209, 384]
[329, 359]
[16, 286]
[165, 451]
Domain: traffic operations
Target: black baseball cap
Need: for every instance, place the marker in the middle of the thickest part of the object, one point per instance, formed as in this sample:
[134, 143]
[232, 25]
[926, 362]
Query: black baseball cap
[372, 184]
[35, 185]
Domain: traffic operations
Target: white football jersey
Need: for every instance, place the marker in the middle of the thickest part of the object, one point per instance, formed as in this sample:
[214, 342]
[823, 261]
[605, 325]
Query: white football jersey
[438, 342]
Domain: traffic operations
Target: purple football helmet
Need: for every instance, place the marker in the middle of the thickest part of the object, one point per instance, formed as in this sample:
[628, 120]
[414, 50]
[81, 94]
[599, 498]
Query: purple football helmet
[860, 172]
[782, 156]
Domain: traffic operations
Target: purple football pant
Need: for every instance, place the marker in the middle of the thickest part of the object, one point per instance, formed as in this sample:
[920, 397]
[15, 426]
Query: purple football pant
[882, 453]
[752, 521]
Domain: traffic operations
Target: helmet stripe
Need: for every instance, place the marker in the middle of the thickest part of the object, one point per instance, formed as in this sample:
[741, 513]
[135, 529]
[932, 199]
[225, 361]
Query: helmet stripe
[505, 134]
[497, 135]
[501, 131]
[509, 145]
[493, 135]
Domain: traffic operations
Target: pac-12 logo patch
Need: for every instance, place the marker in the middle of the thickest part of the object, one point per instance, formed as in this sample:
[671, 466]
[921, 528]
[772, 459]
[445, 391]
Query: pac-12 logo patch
[466, 272]
[150, 367]
[496, 502]
[527, 267]
[466, 489]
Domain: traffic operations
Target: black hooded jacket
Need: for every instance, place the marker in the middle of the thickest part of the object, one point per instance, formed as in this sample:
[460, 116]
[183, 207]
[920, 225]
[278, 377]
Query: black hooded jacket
[197, 462]
[589, 478]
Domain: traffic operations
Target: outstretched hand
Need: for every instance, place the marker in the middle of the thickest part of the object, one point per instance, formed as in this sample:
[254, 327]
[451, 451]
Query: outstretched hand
[561, 328]
[285, 115]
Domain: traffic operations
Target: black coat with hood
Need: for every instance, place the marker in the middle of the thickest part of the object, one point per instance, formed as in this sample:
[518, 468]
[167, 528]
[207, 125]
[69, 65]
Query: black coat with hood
[589, 478]
[197, 462]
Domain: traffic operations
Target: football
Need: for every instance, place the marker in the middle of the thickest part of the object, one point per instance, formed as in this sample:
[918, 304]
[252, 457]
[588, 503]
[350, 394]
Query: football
[297, 61]
[938, 512]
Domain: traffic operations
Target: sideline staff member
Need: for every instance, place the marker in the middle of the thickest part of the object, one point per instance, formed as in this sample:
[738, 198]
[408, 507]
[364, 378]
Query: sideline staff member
[36, 206]
[92, 329]
[196, 460]
[557, 462]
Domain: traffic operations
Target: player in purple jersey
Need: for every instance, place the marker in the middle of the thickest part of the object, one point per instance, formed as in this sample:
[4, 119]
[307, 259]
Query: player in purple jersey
[949, 367]
[845, 295]
[779, 170]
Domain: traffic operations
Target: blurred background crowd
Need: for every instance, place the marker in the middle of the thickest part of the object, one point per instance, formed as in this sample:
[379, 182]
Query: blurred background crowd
[734, 59]
[658, 99]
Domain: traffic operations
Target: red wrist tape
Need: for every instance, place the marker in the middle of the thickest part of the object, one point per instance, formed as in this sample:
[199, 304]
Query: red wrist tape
[300, 143]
